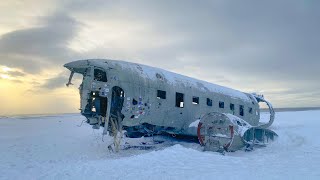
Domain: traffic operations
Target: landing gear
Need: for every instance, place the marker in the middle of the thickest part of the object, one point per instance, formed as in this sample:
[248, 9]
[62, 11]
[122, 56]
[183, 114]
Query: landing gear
[116, 132]
[116, 117]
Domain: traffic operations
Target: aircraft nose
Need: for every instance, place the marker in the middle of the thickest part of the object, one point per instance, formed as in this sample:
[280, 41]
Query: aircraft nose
[77, 66]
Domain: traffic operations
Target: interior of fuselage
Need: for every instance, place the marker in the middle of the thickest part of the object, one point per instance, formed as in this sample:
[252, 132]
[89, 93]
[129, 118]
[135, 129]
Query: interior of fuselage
[117, 100]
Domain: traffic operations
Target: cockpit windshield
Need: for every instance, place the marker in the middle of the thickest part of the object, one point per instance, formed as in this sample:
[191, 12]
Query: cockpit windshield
[100, 75]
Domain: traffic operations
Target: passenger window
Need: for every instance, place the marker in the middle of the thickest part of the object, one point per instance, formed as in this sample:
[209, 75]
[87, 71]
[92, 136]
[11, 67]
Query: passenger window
[179, 100]
[250, 110]
[232, 107]
[241, 110]
[221, 104]
[209, 102]
[195, 100]
[161, 94]
[100, 75]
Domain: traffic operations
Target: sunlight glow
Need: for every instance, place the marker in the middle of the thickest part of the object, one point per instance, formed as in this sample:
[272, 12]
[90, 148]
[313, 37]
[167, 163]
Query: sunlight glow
[6, 69]
[4, 76]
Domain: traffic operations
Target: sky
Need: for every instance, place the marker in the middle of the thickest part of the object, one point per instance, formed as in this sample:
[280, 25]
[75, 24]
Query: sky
[268, 47]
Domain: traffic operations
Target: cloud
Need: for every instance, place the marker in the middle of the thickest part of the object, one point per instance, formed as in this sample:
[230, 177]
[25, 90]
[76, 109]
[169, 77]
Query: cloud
[272, 40]
[15, 73]
[11, 80]
[247, 45]
[255, 45]
[39, 47]
[59, 81]
[55, 82]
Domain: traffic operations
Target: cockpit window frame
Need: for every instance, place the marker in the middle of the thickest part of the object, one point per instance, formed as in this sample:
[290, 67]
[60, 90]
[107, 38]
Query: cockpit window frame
[104, 77]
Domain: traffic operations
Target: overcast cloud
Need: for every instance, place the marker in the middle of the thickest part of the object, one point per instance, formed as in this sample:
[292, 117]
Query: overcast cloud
[270, 47]
[36, 48]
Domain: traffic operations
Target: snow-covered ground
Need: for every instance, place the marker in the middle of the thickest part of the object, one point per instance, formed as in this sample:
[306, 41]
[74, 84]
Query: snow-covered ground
[54, 147]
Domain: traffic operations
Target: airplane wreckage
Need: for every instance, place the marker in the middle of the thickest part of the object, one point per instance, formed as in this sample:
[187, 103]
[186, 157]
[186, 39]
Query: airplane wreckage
[145, 101]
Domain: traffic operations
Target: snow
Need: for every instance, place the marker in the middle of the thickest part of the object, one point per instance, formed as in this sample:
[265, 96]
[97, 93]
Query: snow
[54, 147]
[221, 135]
[241, 129]
[195, 123]
[172, 78]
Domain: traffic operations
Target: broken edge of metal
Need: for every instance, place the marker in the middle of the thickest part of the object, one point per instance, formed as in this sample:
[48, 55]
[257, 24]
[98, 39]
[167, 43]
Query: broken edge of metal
[260, 98]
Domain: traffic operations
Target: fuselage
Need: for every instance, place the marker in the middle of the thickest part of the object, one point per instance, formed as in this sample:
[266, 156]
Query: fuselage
[151, 99]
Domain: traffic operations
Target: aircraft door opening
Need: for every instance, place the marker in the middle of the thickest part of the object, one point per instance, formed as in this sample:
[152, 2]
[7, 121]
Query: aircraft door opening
[117, 103]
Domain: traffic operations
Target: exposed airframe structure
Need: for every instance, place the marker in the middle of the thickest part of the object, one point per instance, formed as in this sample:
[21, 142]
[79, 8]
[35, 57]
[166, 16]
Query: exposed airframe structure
[144, 100]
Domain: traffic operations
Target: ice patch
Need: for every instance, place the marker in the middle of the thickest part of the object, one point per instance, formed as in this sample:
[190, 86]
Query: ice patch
[195, 123]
